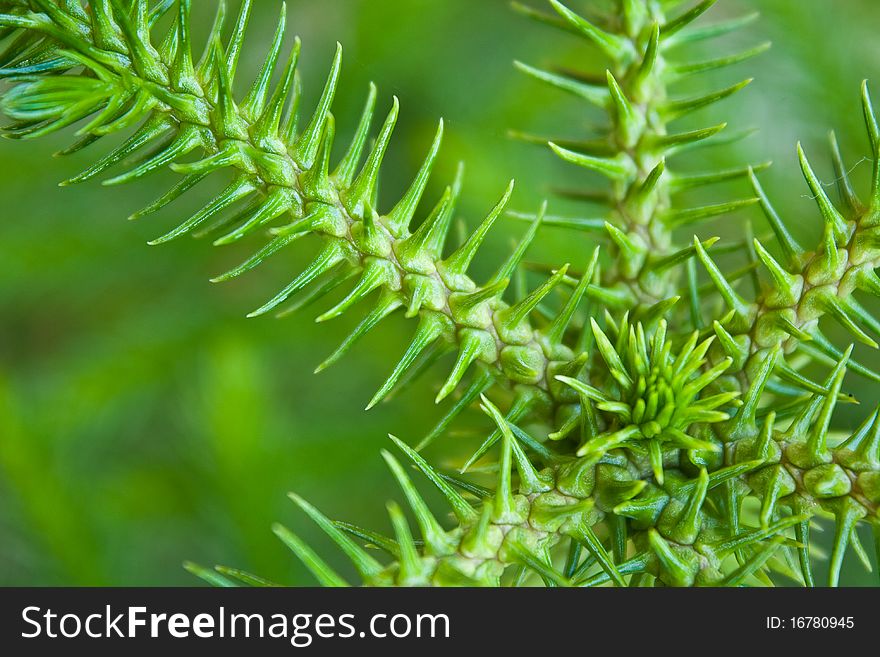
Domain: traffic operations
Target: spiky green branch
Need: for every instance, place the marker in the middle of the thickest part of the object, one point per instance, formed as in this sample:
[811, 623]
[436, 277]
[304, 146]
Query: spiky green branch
[120, 75]
[634, 152]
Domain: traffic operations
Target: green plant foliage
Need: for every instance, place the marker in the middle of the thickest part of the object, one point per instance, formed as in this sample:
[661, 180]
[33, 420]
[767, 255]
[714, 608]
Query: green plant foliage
[643, 440]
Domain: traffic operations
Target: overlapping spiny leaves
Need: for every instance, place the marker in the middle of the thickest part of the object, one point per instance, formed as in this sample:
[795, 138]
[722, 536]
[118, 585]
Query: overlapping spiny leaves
[643, 513]
[658, 394]
[658, 427]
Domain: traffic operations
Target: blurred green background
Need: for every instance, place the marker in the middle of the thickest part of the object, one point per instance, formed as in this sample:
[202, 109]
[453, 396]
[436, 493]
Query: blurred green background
[144, 421]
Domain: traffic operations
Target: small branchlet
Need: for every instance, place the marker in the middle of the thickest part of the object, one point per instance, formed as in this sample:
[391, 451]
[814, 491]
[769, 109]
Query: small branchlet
[635, 428]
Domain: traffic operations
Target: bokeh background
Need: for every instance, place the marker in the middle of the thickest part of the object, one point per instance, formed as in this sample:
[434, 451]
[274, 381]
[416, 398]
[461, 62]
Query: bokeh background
[144, 421]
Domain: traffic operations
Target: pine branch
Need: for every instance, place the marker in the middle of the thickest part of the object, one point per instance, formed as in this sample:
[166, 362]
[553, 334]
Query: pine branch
[118, 75]
[636, 151]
